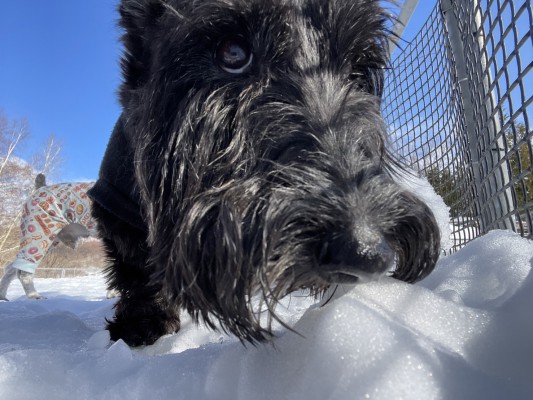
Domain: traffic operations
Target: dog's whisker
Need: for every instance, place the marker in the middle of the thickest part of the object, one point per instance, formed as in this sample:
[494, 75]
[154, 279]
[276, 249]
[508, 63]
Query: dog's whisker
[175, 12]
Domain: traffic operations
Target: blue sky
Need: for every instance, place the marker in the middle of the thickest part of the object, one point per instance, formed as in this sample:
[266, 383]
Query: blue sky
[59, 69]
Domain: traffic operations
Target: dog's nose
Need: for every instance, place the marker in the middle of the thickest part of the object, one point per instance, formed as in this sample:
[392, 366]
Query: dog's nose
[345, 259]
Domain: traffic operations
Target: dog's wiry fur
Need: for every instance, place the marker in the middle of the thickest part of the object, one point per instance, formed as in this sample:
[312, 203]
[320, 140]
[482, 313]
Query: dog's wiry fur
[256, 180]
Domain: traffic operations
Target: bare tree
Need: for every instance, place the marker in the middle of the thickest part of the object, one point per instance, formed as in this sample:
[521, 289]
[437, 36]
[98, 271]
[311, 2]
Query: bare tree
[17, 177]
[49, 160]
[12, 135]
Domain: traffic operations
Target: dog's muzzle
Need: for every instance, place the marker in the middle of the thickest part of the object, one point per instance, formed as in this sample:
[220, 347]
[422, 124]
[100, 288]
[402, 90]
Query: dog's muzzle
[344, 259]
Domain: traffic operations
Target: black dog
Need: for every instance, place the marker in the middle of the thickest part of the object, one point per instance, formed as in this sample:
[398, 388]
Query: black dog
[250, 159]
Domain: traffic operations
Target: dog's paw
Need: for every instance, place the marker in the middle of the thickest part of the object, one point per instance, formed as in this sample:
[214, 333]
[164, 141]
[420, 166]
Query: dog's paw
[137, 333]
[142, 329]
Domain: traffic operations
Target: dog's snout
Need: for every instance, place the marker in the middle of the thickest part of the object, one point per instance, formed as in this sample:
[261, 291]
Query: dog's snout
[346, 259]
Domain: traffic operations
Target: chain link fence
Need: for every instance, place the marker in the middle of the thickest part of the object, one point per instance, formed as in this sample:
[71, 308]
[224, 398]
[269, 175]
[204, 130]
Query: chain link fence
[458, 101]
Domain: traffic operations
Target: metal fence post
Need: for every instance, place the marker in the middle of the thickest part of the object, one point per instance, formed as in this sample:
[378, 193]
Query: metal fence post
[408, 8]
[457, 48]
[487, 192]
[498, 149]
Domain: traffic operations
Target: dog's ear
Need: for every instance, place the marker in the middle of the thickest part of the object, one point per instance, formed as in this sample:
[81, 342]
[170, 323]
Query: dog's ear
[139, 19]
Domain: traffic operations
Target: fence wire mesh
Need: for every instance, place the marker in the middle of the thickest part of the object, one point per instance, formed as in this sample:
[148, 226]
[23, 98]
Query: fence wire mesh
[458, 101]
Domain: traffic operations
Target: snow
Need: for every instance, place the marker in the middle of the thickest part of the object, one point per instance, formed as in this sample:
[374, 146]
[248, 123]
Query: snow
[465, 332]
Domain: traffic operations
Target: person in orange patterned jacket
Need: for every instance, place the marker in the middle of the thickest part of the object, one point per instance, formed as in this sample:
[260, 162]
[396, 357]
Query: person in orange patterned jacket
[52, 214]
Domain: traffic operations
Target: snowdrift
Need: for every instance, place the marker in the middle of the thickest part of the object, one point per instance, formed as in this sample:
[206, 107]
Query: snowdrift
[465, 332]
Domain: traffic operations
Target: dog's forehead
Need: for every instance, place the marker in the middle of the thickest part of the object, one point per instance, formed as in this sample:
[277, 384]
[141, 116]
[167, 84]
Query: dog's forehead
[304, 15]
[314, 26]
[309, 37]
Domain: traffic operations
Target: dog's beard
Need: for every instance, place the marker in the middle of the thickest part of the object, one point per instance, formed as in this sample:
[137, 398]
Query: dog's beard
[229, 254]
[229, 220]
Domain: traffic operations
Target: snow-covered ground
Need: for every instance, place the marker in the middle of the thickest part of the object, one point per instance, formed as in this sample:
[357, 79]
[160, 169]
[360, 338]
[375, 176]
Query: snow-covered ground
[466, 332]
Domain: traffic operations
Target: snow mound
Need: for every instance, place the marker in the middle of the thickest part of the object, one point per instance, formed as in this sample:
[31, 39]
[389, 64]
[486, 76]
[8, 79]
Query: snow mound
[463, 333]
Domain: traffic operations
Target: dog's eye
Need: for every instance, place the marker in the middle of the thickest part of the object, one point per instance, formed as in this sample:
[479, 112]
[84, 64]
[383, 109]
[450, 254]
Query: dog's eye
[233, 54]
